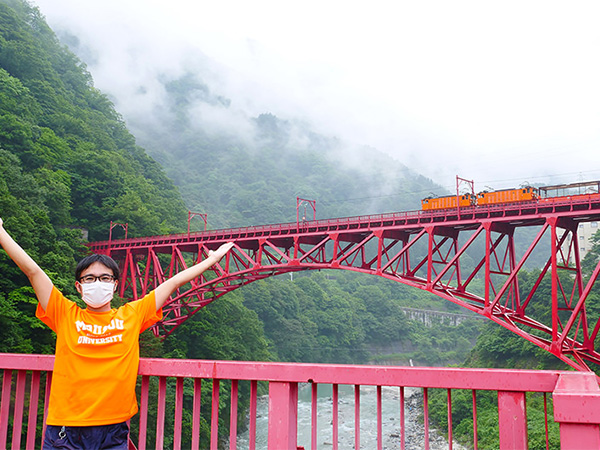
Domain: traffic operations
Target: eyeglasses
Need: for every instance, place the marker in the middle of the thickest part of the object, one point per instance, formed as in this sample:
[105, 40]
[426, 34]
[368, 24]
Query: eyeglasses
[105, 278]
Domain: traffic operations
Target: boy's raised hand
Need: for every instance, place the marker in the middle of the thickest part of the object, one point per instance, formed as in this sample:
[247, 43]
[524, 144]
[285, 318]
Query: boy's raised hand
[221, 251]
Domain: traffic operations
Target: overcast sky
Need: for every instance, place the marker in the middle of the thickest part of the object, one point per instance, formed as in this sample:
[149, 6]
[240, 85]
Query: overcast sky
[498, 92]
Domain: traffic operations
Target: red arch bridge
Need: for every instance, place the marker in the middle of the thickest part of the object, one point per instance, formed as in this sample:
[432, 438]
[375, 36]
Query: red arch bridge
[471, 257]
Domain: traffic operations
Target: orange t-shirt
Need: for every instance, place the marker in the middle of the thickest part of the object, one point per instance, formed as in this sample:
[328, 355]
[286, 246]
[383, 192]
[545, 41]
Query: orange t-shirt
[97, 359]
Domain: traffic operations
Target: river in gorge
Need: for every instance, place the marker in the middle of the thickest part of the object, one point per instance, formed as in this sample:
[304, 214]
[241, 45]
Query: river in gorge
[413, 408]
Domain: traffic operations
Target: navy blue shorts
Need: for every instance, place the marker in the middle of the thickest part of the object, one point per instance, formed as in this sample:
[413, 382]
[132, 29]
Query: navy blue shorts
[113, 437]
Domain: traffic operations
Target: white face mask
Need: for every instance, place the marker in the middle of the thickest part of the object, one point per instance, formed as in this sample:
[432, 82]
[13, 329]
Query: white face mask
[97, 294]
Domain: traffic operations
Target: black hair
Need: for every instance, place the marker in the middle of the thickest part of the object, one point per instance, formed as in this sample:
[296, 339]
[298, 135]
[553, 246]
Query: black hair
[102, 259]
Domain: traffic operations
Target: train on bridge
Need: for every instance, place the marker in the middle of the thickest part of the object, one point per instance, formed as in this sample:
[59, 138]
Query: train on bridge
[544, 194]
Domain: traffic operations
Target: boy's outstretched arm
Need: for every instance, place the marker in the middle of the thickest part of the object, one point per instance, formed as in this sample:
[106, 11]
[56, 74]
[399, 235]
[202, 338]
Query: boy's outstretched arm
[164, 291]
[41, 283]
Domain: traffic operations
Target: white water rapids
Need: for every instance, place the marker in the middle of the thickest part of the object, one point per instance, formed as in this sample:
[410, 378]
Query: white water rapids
[414, 426]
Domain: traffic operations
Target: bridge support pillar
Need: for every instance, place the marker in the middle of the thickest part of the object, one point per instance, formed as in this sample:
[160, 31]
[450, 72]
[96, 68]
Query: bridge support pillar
[283, 416]
[577, 409]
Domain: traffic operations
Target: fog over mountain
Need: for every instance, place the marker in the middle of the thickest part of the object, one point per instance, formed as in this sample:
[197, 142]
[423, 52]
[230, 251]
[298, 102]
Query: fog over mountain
[500, 93]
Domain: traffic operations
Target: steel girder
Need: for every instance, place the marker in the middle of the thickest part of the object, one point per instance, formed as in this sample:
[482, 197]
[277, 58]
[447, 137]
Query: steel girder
[470, 259]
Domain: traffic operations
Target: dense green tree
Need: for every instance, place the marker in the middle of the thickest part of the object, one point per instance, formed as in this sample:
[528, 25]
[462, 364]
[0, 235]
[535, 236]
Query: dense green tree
[51, 117]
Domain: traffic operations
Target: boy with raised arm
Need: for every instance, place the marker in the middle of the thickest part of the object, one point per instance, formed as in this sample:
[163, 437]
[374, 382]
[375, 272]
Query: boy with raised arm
[97, 348]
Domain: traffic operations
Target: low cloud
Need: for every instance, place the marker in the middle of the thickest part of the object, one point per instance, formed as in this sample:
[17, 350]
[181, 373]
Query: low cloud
[501, 93]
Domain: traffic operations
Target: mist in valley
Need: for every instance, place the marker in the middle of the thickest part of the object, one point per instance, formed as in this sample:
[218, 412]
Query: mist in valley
[500, 94]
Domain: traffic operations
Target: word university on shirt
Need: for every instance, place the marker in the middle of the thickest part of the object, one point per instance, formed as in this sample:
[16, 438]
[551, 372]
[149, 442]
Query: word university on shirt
[115, 324]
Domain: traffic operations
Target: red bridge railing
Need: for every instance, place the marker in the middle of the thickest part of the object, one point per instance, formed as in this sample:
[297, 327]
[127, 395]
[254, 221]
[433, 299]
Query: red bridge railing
[174, 388]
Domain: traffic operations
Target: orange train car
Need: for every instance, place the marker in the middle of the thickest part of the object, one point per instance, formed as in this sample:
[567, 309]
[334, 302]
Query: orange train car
[523, 194]
[507, 196]
[447, 202]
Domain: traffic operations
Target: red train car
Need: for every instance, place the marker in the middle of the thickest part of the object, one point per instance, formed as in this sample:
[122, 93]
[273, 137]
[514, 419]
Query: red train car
[584, 191]
[568, 198]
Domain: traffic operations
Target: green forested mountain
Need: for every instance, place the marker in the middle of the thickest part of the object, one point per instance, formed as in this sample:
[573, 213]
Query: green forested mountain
[71, 166]
[69, 138]
[68, 166]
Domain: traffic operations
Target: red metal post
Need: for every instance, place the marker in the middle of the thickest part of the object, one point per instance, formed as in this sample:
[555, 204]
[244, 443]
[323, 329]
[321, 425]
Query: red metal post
[512, 419]
[233, 416]
[252, 428]
[303, 202]
[335, 417]
[379, 420]
[426, 416]
[475, 438]
[357, 417]
[460, 180]
[19, 406]
[34, 396]
[430, 242]
[5, 406]
[46, 401]
[143, 413]
[487, 273]
[196, 414]
[178, 413]
[283, 416]
[313, 415]
[577, 410]
[546, 419]
[160, 413]
[554, 249]
[402, 426]
[204, 217]
[450, 419]
[125, 226]
[214, 423]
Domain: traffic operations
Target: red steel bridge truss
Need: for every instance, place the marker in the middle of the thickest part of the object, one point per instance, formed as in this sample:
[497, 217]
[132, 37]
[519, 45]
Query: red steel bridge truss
[471, 257]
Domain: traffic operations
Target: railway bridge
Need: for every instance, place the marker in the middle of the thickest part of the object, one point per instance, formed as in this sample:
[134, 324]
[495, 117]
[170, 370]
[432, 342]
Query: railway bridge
[468, 256]
[430, 317]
